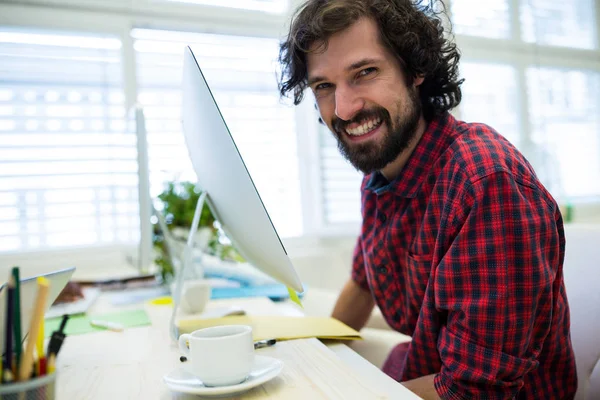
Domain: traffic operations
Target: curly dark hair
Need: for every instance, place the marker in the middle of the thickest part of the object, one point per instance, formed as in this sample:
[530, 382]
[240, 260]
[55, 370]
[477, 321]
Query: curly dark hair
[412, 30]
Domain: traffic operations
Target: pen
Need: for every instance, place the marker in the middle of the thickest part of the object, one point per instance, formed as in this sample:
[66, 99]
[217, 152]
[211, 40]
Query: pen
[113, 326]
[264, 343]
[57, 338]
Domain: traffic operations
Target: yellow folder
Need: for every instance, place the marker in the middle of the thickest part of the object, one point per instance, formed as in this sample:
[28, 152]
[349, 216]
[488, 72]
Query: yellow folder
[276, 327]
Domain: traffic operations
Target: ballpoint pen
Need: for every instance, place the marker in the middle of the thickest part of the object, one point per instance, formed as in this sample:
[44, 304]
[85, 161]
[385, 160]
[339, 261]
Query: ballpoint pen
[264, 343]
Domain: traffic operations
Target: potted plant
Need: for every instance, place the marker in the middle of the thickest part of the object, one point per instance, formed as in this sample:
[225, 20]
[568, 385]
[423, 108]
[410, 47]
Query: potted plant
[177, 205]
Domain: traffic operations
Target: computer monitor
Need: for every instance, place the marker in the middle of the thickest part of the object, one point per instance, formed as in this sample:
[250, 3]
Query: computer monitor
[232, 195]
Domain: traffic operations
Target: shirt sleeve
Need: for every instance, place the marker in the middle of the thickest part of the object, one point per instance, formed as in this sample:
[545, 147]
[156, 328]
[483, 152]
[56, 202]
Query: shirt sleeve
[359, 274]
[495, 287]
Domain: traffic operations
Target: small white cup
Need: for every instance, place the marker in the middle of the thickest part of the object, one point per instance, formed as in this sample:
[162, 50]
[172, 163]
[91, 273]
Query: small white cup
[220, 355]
[195, 295]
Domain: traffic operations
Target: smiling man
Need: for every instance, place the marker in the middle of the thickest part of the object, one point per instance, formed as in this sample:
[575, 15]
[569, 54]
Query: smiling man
[461, 246]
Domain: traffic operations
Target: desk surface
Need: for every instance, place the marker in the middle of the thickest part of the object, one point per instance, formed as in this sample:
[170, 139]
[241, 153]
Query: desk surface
[131, 364]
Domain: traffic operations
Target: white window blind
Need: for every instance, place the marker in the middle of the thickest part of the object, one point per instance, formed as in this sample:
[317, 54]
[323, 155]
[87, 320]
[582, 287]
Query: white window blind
[491, 101]
[490, 18]
[340, 183]
[241, 73]
[68, 173]
[271, 6]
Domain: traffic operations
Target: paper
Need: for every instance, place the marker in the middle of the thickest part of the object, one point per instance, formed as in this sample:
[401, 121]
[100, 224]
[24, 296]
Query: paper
[80, 324]
[294, 296]
[280, 328]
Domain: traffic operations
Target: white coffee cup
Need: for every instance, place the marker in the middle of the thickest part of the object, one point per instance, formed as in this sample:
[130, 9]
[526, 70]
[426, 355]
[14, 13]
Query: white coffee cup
[221, 355]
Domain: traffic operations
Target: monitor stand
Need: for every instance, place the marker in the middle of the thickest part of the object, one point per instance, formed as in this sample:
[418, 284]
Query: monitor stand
[188, 260]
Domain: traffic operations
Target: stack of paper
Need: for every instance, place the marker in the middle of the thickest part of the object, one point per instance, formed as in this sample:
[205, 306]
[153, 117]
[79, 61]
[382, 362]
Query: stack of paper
[280, 328]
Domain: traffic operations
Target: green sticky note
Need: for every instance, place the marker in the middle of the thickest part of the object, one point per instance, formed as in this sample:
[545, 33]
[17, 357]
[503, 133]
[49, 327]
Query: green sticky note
[80, 324]
[294, 296]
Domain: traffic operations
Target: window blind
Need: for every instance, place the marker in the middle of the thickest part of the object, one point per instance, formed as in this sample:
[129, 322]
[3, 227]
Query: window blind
[272, 6]
[68, 173]
[241, 74]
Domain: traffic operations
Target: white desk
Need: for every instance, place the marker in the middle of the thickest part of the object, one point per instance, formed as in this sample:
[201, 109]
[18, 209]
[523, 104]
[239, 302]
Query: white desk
[131, 364]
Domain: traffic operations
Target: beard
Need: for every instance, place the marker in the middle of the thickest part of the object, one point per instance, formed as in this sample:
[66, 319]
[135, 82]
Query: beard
[375, 155]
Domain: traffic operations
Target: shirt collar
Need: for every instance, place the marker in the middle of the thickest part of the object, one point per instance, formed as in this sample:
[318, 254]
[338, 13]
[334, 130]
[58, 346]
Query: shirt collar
[438, 135]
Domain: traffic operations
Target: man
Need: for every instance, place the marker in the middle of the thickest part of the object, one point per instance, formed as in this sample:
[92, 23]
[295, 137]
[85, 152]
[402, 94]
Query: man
[461, 246]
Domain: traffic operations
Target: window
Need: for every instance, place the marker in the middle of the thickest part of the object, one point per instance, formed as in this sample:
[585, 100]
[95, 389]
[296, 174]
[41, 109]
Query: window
[543, 98]
[566, 125]
[490, 18]
[241, 73]
[491, 101]
[340, 184]
[559, 23]
[68, 168]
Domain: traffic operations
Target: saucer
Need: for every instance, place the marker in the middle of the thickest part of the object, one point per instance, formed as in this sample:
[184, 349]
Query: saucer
[263, 370]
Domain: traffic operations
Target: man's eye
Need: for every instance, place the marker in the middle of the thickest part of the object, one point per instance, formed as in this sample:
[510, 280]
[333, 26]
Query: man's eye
[367, 71]
[322, 86]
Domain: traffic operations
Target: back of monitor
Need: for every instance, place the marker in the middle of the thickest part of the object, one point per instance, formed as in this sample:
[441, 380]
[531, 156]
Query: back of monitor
[232, 195]
[58, 280]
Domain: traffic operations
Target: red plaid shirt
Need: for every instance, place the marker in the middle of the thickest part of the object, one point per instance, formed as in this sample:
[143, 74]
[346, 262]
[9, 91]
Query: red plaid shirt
[464, 253]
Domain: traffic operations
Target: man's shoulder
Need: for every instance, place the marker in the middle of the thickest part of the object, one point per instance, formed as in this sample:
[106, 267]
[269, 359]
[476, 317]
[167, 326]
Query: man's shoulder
[479, 151]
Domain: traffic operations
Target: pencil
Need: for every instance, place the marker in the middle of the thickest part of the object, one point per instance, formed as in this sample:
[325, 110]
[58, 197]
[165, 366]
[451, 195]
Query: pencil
[17, 317]
[37, 318]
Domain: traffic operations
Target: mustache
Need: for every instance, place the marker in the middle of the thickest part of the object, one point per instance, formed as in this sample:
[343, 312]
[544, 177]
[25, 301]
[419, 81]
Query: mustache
[339, 125]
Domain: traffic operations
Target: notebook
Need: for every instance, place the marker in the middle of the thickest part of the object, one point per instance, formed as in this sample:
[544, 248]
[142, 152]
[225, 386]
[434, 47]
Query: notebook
[75, 307]
[280, 328]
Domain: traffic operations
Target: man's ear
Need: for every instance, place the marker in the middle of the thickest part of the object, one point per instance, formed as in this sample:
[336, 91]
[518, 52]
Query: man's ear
[419, 80]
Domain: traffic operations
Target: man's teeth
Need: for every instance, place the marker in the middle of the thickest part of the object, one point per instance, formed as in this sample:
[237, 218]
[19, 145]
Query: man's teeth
[364, 128]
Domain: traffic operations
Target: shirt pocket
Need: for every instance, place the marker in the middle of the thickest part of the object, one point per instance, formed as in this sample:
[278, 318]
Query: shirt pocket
[411, 280]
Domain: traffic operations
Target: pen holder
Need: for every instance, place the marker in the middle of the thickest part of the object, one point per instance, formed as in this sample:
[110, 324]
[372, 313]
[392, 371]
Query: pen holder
[42, 388]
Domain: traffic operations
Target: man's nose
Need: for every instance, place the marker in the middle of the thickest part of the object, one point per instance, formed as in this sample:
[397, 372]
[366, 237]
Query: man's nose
[347, 103]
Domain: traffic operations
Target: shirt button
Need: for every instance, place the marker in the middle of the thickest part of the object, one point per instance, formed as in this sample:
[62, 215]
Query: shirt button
[383, 217]
[382, 270]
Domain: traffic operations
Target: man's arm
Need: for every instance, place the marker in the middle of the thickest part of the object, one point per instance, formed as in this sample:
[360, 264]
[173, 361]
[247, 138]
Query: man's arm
[495, 288]
[423, 387]
[354, 305]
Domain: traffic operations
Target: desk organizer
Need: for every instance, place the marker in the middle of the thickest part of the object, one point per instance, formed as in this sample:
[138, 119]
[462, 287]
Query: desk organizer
[42, 388]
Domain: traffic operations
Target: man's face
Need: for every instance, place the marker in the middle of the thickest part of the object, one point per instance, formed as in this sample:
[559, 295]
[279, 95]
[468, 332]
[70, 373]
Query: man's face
[363, 96]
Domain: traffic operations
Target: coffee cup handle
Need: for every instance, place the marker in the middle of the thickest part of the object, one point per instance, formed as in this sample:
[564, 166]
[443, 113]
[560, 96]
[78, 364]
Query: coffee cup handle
[183, 347]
